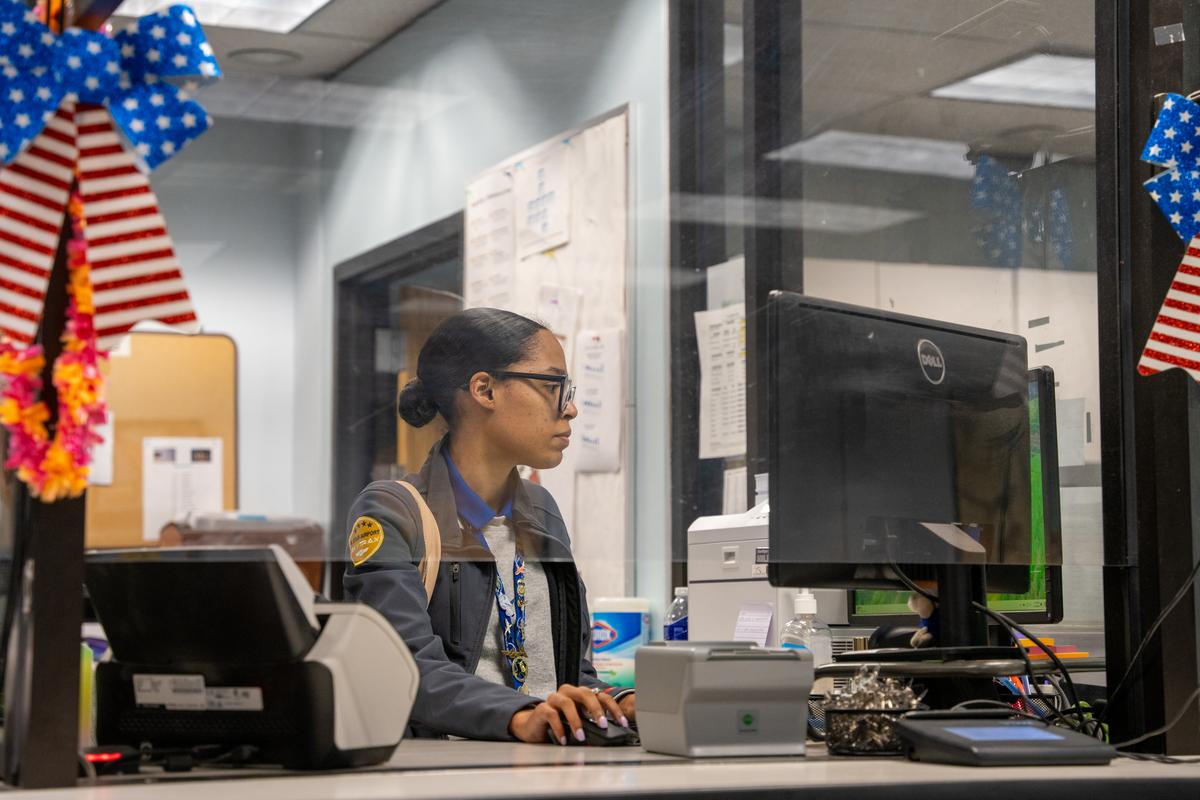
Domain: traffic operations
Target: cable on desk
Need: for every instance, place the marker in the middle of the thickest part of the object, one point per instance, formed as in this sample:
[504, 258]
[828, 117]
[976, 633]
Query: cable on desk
[1186, 707]
[1072, 696]
[1081, 723]
[1141, 648]
[1160, 759]
[911, 584]
[184, 759]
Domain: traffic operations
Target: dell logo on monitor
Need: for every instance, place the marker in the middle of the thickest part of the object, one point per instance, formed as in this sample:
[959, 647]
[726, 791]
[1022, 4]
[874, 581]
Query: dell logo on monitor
[932, 362]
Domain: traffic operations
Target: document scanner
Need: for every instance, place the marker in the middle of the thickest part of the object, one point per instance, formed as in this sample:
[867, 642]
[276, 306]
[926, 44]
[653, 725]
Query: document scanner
[700, 699]
[226, 646]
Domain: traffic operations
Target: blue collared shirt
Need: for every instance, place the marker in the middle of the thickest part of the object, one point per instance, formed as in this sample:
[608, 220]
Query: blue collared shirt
[471, 507]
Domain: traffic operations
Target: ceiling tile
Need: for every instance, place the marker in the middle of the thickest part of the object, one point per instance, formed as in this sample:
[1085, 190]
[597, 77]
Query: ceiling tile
[365, 19]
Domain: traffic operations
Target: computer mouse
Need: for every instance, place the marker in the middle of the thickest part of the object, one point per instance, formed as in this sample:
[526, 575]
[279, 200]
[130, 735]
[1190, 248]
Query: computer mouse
[594, 736]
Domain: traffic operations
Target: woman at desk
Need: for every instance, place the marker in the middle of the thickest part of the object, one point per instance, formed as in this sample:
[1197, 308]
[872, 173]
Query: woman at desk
[501, 641]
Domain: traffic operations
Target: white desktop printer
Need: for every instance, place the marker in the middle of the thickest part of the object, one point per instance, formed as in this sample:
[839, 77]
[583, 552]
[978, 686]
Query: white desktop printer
[699, 699]
[727, 572]
[225, 646]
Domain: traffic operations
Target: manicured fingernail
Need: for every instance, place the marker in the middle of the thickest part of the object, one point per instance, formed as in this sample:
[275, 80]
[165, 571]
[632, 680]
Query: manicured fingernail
[562, 740]
[624, 722]
[579, 735]
[602, 721]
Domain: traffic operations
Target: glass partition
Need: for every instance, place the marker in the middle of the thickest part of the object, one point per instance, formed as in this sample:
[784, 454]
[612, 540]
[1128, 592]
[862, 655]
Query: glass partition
[936, 162]
[637, 177]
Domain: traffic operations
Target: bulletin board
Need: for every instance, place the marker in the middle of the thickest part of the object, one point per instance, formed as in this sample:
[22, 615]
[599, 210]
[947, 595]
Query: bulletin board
[162, 384]
[546, 234]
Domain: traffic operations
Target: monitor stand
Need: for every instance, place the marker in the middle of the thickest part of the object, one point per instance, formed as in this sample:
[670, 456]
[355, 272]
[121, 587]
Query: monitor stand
[959, 586]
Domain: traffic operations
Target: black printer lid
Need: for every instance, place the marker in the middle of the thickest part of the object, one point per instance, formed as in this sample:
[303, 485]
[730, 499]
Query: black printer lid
[199, 606]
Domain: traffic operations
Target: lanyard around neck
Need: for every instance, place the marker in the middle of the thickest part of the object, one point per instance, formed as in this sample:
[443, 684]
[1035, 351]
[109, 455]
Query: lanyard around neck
[511, 612]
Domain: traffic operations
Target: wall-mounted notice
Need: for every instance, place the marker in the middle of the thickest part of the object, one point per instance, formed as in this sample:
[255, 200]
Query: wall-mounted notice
[599, 371]
[721, 341]
[727, 283]
[542, 191]
[558, 307]
[179, 474]
[733, 498]
[488, 260]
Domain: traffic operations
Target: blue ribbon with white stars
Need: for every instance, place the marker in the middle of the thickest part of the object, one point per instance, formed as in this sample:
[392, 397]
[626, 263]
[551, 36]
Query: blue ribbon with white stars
[133, 74]
[1004, 221]
[996, 198]
[1174, 143]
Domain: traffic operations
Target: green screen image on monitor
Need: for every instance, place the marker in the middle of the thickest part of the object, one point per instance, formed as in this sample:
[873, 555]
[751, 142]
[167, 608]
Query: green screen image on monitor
[882, 603]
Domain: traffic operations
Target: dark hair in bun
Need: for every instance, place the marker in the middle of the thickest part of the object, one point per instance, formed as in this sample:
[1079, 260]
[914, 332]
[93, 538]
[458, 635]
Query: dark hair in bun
[415, 405]
[471, 341]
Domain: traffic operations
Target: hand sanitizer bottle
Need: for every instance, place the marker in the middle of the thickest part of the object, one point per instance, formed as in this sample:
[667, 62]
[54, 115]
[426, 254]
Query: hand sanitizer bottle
[805, 631]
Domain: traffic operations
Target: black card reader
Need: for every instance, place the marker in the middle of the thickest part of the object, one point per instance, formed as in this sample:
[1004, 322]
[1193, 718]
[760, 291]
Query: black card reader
[995, 739]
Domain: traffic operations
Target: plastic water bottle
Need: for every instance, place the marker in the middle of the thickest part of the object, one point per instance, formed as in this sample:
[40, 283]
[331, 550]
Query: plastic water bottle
[675, 627]
[804, 631]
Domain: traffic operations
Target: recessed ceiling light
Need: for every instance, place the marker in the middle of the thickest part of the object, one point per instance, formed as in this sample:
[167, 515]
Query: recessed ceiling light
[1037, 80]
[265, 56]
[881, 152]
[276, 16]
[272, 98]
[812, 215]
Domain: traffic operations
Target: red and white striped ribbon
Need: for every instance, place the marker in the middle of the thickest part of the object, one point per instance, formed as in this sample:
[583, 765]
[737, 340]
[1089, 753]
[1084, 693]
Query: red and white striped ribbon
[135, 274]
[33, 201]
[1175, 338]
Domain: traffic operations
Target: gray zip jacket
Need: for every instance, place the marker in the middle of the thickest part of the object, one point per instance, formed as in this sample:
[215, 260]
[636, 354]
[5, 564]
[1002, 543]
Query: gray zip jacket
[446, 638]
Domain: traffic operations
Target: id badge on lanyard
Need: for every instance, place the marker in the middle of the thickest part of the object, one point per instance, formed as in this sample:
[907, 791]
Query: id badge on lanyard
[511, 612]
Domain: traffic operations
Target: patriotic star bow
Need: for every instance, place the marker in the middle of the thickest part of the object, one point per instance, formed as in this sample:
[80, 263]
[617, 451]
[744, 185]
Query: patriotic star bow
[125, 73]
[60, 97]
[1006, 218]
[1174, 143]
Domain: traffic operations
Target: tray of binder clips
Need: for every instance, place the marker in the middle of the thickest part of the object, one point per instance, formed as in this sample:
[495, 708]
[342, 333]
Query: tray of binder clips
[861, 720]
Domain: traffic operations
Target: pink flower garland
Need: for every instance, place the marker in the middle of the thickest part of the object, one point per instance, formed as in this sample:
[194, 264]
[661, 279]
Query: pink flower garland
[57, 467]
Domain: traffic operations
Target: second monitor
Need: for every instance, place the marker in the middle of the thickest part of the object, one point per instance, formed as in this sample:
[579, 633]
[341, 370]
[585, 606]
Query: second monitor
[899, 446]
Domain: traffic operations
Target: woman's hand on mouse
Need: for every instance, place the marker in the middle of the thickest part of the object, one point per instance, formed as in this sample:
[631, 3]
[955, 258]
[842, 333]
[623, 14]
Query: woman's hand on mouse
[561, 715]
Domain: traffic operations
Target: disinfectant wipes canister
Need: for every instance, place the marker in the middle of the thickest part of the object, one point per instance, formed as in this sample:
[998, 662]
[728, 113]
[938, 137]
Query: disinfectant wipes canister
[620, 625]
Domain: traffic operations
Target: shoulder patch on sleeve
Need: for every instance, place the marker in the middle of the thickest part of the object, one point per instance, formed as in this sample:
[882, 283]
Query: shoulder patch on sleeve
[366, 536]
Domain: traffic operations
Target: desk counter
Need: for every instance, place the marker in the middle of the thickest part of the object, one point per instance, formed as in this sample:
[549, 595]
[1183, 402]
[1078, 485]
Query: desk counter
[490, 770]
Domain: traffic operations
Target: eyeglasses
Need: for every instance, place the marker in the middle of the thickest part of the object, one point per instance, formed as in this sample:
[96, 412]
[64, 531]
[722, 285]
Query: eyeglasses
[566, 389]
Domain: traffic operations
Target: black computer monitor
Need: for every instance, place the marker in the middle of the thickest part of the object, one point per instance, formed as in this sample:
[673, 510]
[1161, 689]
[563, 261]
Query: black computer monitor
[898, 446]
[1043, 602]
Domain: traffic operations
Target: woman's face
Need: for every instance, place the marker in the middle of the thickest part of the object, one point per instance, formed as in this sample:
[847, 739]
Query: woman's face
[527, 423]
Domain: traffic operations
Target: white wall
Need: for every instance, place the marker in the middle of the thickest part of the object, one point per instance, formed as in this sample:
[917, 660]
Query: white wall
[487, 80]
[230, 203]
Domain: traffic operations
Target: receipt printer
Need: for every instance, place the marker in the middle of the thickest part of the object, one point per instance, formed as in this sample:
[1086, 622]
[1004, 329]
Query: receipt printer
[225, 646]
[700, 699]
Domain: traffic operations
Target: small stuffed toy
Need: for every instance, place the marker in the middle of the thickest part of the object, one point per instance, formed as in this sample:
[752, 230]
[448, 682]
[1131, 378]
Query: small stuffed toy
[924, 608]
